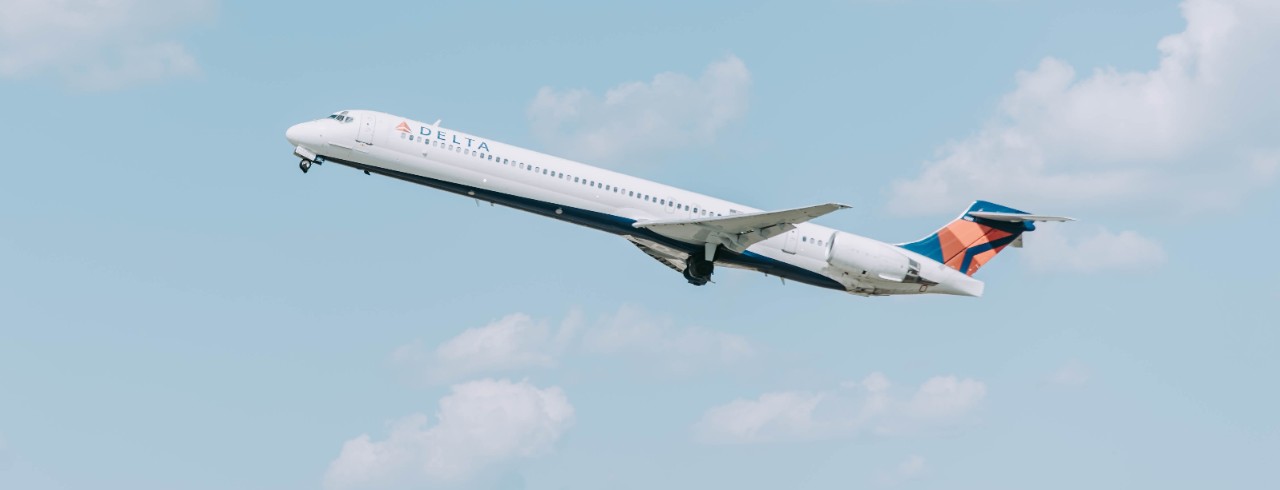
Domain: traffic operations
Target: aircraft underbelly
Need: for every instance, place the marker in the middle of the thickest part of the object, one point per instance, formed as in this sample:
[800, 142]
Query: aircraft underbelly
[609, 223]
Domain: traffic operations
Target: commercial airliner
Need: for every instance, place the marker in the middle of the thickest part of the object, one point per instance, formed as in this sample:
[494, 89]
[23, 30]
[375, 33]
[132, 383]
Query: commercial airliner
[686, 231]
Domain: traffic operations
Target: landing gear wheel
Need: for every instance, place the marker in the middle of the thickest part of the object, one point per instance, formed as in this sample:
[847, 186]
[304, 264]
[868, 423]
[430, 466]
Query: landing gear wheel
[305, 165]
[697, 270]
[694, 280]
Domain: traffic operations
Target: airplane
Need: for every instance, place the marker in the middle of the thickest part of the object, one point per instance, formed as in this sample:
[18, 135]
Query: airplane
[684, 230]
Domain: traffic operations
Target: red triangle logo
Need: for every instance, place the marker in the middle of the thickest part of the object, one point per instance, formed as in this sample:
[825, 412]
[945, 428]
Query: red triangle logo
[404, 126]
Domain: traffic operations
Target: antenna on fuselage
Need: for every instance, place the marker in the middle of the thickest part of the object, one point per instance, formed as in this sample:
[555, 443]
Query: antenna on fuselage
[437, 124]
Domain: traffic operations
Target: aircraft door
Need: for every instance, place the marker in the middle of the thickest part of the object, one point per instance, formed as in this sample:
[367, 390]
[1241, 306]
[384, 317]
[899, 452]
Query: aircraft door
[367, 124]
[792, 241]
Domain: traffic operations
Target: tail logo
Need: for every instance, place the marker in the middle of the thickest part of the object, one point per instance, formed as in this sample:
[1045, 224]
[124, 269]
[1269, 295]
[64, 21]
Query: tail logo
[968, 242]
[966, 245]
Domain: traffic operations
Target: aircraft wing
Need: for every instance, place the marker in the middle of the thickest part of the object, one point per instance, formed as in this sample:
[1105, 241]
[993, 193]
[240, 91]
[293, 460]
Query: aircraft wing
[736, 231]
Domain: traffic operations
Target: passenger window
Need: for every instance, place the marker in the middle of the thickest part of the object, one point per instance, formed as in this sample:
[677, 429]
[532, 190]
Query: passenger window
[804, 239]
[575, 180]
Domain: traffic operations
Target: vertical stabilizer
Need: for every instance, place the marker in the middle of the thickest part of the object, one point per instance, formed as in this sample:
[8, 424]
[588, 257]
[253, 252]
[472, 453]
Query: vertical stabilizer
[981, 232]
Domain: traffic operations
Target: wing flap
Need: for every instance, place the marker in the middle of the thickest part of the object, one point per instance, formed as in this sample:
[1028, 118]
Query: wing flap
[737, 231]
[668, 256]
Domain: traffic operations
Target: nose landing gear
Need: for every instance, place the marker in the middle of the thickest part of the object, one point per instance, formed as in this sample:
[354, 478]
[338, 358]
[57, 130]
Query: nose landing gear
[305, 164]
[308, 157]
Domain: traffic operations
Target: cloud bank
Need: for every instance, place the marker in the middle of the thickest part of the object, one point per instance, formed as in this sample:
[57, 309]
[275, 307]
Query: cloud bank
[517, 342]
[481, 424]
[1195, 133]
[98, 45]
[1091, 250]
[673, 111]
[870, 406]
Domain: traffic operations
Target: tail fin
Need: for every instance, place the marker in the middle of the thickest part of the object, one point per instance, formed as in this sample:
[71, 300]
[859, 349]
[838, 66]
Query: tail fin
[974, 238]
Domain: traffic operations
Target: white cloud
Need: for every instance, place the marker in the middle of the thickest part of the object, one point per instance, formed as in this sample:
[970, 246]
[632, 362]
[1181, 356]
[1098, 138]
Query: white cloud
[98, 44]
[946, 396]
[909, 469]
[514, 342]
[1073, 373]
[673, 111]
[772, 416]
[854, 408]
[634, 332]
[1196, 132]
[518, 342]
[479, 425]
[1094, 250]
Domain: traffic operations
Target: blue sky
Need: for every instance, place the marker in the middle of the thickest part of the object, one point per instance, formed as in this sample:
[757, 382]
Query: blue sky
[181, 308]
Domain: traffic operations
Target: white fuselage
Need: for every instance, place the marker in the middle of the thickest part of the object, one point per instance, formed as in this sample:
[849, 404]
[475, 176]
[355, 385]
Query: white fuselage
[488, 170]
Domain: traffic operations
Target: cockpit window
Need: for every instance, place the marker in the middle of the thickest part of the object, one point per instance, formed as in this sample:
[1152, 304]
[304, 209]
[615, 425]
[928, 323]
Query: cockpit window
[341, 117]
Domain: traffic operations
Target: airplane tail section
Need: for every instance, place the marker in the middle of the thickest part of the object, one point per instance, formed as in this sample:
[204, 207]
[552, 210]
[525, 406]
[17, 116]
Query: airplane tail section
[973, 239]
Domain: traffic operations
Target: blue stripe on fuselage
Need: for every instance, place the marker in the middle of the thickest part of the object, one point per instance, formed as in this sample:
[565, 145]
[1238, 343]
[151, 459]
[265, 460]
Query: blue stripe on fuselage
[609, 223]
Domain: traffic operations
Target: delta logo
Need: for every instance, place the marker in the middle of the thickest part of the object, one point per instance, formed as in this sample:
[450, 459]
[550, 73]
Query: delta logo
[441, 136]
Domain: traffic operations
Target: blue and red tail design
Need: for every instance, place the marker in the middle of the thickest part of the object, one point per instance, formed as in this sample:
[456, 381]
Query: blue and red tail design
[971, 241]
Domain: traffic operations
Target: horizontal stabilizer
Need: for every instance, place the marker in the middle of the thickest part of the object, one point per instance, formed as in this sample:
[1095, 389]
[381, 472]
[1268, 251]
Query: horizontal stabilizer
[1016, 217]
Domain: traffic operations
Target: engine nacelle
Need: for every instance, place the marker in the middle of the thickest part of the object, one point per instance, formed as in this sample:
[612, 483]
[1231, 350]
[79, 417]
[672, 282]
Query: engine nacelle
[863, 257]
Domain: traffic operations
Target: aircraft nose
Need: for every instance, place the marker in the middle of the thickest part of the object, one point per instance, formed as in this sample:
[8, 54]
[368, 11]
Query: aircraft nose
[295, 134]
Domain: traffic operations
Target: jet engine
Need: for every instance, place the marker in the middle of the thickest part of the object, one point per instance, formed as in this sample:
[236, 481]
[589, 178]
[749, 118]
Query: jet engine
[863, 257]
